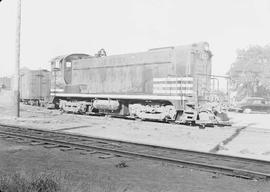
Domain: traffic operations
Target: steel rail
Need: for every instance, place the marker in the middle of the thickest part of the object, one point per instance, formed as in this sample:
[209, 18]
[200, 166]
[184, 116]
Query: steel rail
[245, 173]
[230, 157]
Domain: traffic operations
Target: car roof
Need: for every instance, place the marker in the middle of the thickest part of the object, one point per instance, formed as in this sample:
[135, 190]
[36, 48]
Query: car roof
[258, 98]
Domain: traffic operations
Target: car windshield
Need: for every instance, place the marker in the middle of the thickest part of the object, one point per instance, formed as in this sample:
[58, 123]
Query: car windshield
[256, 101]
[252, 101]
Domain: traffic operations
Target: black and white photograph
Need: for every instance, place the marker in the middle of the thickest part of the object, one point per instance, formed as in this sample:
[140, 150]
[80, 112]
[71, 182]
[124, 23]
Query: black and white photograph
[134, 96]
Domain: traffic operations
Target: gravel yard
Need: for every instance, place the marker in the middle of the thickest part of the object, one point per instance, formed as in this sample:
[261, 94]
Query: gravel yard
[252, 141]
[169, 135]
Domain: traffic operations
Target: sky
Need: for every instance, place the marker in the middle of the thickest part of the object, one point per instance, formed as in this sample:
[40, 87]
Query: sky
[56, 27]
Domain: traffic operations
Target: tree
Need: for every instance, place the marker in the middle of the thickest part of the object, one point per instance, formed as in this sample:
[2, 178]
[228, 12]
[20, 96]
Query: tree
[250, 73]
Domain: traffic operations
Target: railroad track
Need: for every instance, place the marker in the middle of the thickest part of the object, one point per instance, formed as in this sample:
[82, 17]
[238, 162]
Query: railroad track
[223, 164]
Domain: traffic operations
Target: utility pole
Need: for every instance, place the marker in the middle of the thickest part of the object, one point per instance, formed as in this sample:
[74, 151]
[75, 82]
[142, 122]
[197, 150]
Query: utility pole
[17, 63]
[197, 92]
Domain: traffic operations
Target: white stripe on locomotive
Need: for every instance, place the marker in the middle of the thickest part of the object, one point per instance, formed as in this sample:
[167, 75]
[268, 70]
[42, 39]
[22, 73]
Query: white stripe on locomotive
[184, 92]
[112, 96]
[57, 90]
[172, 79]
[173, 85]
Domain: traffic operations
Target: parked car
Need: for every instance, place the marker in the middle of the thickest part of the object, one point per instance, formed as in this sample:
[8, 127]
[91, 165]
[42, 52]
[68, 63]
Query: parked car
[254, 104]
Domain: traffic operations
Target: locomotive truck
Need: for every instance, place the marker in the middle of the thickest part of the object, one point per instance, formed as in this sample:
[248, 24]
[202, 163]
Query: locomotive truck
[155, 84]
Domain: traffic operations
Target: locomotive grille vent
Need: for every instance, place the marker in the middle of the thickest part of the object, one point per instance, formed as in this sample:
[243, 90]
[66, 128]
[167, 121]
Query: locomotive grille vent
[182, 86]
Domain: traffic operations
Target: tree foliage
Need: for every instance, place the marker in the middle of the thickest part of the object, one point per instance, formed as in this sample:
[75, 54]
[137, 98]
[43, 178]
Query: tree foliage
[250, 73]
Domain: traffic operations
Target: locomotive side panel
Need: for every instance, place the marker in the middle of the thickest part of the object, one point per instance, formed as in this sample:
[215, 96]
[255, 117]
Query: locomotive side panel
[192, 60]
[122, 74]
[182, 60]
[195, 61]
[201, 70]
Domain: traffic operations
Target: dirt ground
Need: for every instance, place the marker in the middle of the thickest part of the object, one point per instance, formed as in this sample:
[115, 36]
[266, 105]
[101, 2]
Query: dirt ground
[175, 136]
[252, 141]
[90, 173]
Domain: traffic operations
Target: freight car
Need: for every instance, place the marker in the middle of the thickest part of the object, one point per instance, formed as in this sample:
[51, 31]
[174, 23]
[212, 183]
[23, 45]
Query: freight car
[5, 83]
[154, 84]
[35, 86]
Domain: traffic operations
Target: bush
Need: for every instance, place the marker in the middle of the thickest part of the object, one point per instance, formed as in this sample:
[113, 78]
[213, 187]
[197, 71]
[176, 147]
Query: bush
[19, 183]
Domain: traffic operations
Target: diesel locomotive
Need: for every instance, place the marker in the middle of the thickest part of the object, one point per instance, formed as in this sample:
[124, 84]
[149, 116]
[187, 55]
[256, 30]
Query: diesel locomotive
[155, 84]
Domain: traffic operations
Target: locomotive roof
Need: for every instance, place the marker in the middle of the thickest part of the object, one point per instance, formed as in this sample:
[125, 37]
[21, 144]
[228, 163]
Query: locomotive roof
[199, 45]
[61, 57]
[58, 58]
[23, 71]
[189, 46]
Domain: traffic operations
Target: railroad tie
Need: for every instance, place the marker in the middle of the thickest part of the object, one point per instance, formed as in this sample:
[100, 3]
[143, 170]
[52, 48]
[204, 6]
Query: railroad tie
[106, 156]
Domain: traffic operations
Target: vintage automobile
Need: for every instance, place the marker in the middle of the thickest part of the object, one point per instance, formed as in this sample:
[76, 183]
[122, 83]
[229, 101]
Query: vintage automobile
[254, 104]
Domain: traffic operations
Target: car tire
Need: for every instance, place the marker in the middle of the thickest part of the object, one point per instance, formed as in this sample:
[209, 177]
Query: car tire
[247, 110]
[240, 111]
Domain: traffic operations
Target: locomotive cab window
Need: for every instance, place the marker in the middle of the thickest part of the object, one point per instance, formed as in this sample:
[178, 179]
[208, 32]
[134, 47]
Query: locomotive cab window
[68, 64]
[57, 65]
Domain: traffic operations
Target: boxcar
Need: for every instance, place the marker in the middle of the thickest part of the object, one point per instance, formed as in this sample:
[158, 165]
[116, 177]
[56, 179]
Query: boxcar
[35, 86]
[5, 83]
